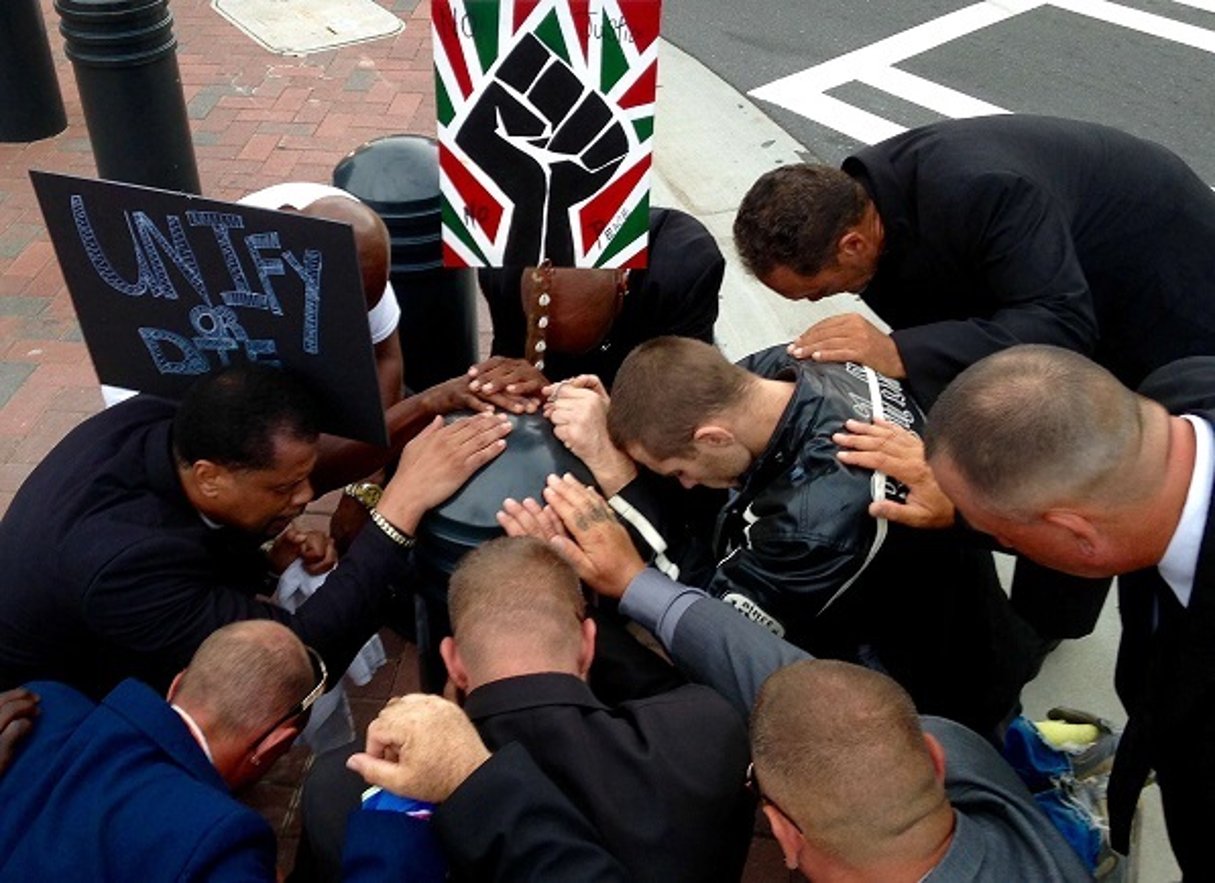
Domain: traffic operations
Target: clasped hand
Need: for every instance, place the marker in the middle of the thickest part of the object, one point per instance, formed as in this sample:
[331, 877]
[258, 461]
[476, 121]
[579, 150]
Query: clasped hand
[420, 746]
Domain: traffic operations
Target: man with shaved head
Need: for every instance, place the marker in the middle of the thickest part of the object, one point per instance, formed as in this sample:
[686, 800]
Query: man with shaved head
[841, 752]
[795, 547]
[659, 779]
[139, 786]
[1049, 453]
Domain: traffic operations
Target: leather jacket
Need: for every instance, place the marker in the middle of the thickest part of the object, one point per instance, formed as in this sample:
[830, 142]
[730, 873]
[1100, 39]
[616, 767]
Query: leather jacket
[798, 551]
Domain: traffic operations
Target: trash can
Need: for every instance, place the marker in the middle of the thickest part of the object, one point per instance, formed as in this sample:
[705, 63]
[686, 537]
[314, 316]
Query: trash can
[398, 176]
[31, 106]
[124, 54]
[468, 519]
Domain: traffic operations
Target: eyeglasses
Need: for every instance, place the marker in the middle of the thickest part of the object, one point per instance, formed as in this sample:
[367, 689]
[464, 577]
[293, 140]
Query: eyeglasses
[753, 787]
[304, 705]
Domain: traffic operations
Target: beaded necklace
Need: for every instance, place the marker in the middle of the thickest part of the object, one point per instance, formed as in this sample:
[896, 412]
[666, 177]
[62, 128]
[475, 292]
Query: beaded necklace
[538, 318]
[537, 324]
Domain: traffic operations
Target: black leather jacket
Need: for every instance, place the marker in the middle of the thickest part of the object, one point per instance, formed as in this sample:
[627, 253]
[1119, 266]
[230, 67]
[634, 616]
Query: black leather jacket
[798, 535]
[798, 552]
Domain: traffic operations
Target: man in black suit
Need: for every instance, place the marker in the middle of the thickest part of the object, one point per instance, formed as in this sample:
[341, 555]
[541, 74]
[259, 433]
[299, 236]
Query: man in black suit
[660, 779]
[594, 318]
[138, 535]
[1050, 454]
[968, 236]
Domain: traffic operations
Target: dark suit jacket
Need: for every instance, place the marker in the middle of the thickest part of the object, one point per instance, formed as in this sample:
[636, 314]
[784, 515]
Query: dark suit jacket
[660, 779]
[1166, 672]
[121, 791]
[109, 572]
[1021, 229]
[676, 294]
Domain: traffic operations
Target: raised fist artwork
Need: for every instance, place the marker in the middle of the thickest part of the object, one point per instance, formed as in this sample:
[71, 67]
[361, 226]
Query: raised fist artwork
[548, 142]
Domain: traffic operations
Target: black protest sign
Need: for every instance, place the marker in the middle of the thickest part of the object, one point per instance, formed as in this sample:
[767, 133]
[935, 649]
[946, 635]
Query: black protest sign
[169, 286]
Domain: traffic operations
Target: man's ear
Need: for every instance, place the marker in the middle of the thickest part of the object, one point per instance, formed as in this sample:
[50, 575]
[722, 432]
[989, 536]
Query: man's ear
[175, 686]
[936, 751]
[276, 743]
[455, 665]
[713, 435]
[1085, 536]
[852, 245]
[209, 477]
[786, 834]
[586, 653]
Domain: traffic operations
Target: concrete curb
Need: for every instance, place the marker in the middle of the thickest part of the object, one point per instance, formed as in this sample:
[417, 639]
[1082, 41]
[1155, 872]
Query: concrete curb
[711, 143]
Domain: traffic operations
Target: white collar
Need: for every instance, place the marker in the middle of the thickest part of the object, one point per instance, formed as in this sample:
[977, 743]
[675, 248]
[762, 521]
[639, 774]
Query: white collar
[199, 736]
[1181, 557]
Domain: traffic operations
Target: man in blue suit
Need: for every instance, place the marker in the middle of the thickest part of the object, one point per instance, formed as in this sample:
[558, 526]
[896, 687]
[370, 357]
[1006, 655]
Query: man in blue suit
[138, 788]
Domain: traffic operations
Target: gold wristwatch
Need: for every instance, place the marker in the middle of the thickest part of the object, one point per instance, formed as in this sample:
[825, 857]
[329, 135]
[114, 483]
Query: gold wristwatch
[366, 492]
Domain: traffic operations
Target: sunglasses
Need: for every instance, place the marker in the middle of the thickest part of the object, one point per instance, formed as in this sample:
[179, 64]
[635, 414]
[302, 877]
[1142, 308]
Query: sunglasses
[304, 706]
[753, 787]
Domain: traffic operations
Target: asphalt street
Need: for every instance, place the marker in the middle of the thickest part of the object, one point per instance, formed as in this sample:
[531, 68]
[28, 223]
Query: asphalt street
[836, 75]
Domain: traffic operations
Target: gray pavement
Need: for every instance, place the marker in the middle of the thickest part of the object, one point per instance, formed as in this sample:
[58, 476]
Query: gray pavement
[711, 143]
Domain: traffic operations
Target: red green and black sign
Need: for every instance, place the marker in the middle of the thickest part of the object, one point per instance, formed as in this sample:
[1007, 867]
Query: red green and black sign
[546, 123]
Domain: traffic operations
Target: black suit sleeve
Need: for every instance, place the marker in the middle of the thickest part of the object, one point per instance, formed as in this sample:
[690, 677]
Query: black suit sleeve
[152, 603]
[1184, 385]
[680, 290]
[501, 289]
[1018, 241]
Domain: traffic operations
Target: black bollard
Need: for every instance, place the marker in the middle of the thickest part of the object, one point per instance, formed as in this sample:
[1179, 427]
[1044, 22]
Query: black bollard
[398, 176]
[31, 106]
[125, 57]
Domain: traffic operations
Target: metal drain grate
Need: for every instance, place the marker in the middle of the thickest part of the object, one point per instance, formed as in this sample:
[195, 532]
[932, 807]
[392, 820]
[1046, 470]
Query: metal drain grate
[299, 27]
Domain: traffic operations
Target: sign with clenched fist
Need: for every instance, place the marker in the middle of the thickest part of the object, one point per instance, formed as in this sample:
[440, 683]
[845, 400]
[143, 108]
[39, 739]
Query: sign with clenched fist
[546, 123]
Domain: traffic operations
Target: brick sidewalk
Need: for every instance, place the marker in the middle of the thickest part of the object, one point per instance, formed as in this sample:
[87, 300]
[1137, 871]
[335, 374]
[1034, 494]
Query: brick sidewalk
[256, 119]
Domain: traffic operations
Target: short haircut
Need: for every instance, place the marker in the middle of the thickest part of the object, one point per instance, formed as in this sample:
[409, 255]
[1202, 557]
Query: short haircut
[235, 417]
[839, 749]
[515, 592]
[666, 389]
[246, 675]
[1034, 426]
[794, 216]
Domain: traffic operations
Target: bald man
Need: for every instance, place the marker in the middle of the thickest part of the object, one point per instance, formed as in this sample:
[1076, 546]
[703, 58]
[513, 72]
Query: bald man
[137, 787]
[597, 316]
[374, 247]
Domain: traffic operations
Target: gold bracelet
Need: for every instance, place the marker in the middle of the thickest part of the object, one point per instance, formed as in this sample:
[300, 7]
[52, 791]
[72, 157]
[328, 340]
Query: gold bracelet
[403, 540]
[366, 492]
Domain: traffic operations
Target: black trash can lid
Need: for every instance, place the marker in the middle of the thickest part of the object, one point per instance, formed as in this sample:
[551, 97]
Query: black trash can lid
[396, 173]
[468, 518]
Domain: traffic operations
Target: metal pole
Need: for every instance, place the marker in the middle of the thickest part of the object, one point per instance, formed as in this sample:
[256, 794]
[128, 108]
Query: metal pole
[398, 176]
[31, 106]
[125, 57]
